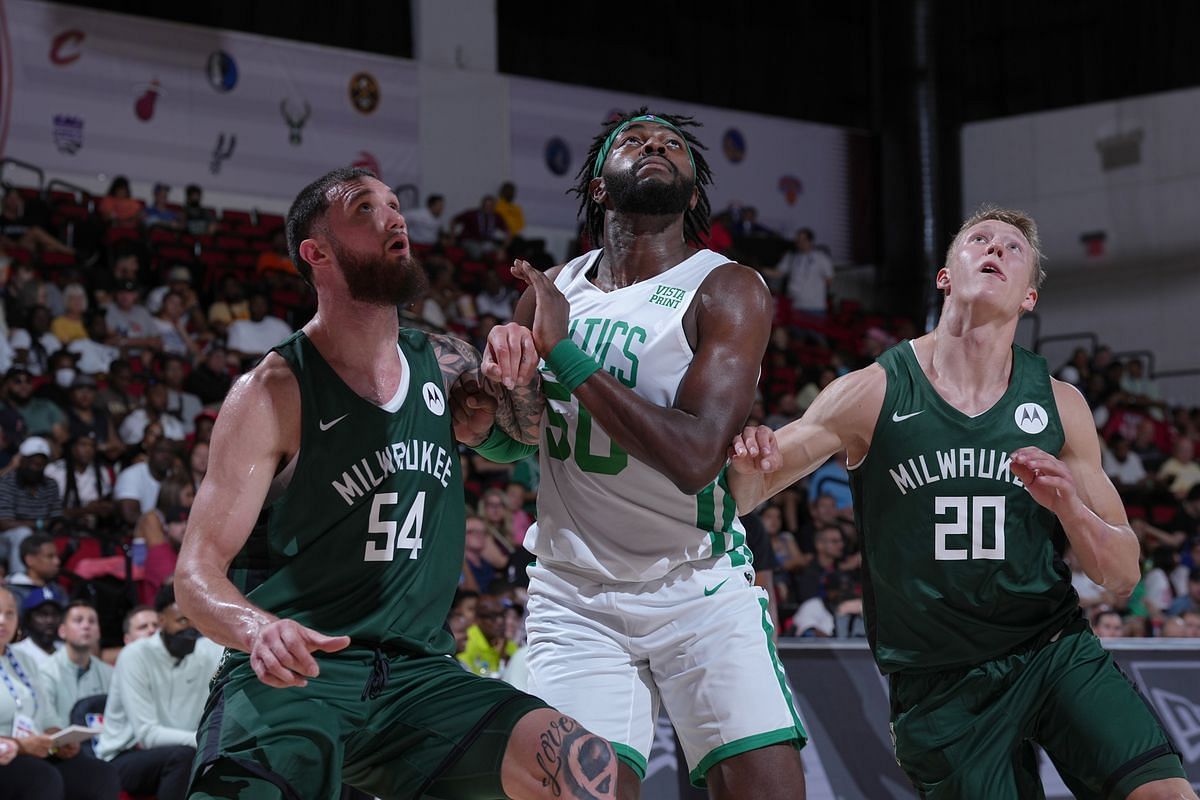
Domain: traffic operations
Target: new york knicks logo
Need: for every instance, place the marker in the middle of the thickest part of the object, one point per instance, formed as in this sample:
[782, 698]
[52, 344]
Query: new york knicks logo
[434, 398]
[1031, 418]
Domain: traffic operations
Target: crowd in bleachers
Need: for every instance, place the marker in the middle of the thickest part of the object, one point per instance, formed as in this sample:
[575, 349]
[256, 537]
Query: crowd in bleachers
[124, 323]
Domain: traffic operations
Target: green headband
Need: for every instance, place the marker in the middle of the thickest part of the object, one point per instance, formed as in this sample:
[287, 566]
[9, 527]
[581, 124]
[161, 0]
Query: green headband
[602, 156]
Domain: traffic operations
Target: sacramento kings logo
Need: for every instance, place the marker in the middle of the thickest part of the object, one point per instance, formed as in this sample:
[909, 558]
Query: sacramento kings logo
[1031, 418]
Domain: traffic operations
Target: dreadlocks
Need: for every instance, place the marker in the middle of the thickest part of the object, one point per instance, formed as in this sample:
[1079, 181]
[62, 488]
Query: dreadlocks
[695, 220]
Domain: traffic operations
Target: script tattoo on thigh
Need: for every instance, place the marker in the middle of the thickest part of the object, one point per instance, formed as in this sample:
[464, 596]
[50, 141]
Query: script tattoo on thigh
[572, 757]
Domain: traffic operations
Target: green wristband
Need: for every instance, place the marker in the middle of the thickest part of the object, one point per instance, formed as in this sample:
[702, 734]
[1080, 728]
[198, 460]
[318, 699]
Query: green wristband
[503, 449]
[570, 365]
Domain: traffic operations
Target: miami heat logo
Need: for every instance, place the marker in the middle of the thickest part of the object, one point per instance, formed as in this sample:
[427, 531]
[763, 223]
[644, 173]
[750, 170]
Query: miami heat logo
[144, 107]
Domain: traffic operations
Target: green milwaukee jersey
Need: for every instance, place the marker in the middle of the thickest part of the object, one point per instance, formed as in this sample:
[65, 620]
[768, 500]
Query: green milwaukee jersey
[958, 560]
[363, 534]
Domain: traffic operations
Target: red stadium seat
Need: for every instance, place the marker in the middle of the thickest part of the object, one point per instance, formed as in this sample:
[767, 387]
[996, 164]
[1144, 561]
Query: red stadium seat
[214, 259]
[58, 260]
[176, 253]
[163, 236]
[270, 221]
[114, 236]
[231, 215]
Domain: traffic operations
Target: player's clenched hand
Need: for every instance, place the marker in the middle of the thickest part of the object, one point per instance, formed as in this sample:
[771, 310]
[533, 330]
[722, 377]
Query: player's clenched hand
[510, 357]
[472, 410]
[282, 653]
[1046, 478]
[754, 450]
[552, 312]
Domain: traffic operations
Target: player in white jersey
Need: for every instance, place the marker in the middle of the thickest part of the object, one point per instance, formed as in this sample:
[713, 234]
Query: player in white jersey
[643, 587]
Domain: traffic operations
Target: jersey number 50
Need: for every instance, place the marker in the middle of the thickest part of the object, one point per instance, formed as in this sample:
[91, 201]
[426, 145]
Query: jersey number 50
[959, 507]
[410, 533]
[558, 446]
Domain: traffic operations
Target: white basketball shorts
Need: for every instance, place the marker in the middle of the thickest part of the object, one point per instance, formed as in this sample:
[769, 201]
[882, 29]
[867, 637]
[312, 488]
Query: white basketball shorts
[699, 639]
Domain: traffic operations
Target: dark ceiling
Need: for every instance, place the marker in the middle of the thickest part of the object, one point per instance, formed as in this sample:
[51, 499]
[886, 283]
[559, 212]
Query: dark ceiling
[817, 61]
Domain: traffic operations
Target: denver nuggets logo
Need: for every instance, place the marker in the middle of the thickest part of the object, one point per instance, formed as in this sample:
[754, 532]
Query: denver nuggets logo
[1031, 418]
[364, 92]
[434, 398]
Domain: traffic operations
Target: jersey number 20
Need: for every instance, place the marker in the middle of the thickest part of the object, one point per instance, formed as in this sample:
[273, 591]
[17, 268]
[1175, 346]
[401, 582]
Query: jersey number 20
[409, 537]
[964, 511]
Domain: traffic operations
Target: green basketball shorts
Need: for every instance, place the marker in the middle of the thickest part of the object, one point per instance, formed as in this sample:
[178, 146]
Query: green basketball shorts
[969, 733]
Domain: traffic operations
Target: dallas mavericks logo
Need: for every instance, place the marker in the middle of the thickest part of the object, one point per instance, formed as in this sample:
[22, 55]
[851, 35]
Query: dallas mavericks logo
[433, 398]
[222, 71]
[1031, 418]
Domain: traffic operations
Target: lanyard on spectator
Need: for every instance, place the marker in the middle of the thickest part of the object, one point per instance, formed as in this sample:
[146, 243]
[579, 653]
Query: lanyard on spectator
[16, 665]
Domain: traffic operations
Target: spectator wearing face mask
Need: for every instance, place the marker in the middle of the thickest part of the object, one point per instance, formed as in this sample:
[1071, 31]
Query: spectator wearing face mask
[158, 692]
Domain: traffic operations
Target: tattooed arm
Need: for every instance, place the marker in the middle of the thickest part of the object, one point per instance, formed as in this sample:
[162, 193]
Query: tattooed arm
[518, 408]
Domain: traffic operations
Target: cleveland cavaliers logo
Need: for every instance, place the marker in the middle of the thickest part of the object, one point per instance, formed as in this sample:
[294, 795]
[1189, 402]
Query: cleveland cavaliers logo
[1031, 418]
[433, 398]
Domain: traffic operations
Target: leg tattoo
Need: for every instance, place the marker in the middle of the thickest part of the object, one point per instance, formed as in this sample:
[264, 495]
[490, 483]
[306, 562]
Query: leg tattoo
[572, 757]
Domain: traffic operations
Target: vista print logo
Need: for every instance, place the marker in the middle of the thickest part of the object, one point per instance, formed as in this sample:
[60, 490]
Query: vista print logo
[68, 133]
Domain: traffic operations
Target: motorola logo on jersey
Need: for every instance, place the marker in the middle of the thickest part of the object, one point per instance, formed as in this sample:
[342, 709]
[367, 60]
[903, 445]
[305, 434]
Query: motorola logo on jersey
[1031, 418]
[434, 398]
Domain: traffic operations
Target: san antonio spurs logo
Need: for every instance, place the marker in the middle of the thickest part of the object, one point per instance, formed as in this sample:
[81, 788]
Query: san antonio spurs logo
[1031, 418]
[434, 398]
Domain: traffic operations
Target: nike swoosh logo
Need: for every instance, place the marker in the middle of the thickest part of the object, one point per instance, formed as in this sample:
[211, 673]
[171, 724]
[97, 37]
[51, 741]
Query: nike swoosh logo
[897, 418]
[716, 588]
[324, 426]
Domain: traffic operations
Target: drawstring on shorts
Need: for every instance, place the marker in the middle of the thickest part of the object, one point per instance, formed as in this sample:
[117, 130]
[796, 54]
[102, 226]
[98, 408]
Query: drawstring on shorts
[381, 670]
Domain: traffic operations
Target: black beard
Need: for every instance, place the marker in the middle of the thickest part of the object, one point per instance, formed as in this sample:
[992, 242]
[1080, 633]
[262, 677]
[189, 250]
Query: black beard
[649, 197]
[376, 281]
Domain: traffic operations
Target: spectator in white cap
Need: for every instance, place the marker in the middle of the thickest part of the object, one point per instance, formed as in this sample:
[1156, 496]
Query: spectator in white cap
[29, 501]
[179, 279]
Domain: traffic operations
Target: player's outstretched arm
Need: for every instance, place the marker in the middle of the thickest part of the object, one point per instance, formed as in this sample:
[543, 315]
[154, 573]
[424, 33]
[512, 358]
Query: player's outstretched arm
[1076, 489]
[687, 440]
[842, 417]
[259, 418]
[517, 390]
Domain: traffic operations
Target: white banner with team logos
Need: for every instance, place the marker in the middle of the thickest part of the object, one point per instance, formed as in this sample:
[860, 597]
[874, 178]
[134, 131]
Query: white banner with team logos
[795, 173]
[94, 93]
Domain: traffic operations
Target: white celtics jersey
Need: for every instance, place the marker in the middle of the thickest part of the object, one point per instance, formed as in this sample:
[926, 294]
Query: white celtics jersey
[601, 512]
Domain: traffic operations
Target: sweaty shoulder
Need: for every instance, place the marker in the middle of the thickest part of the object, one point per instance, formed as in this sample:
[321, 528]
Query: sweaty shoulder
[1079, 425]
[735, 294]
[734, 280]
[265, 404]
[850, 407]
